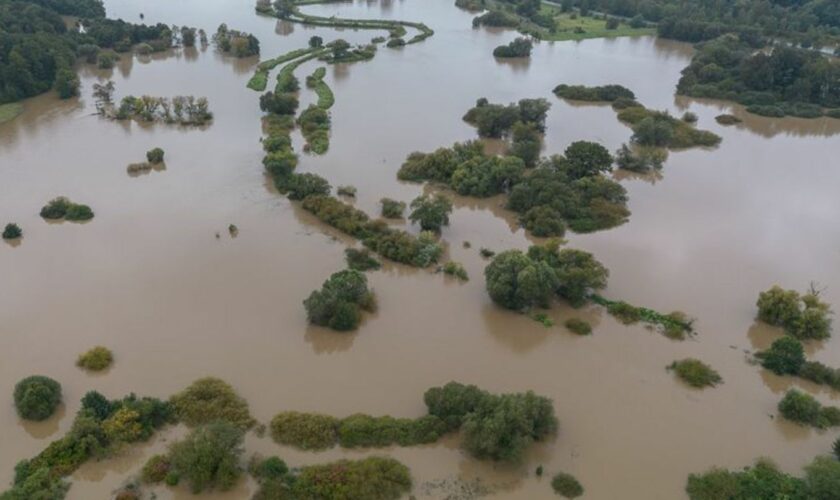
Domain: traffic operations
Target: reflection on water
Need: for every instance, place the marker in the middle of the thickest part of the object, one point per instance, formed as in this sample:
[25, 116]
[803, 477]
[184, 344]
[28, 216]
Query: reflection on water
[45, 428]
[148, 279]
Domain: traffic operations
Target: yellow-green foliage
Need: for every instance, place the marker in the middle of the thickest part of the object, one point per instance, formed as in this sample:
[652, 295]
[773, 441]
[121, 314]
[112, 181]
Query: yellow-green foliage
[96, 359]
[695, 372]
[307, 431]
[210, 399]
[259, 81]
[457, 270]
[578, 326]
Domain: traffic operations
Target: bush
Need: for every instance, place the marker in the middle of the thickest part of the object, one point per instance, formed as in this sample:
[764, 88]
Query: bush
[300, 186]
[517, 282]
[208, 458]
[372, 477]
[786, 356]
[566, 485]
[392, 209]
[210, 399]
[543, 221]
[457, 270]
[306, 431]
[778, 307]
[695, 373]
[96, 359]
[269, 468]
[155, 155]
[78, 213]
[155, 469]
[802, 408]
[365, 431]
[689, 117]
[607, 93]
[578, 326]
[431, 212]
[520, 47]
[39, 485]
[640, 159]
[12, 231]
[339, 303]
[361, 260]
[37, 397]
[804, 317]
[763, 480]
[727, 119]
[56, 208]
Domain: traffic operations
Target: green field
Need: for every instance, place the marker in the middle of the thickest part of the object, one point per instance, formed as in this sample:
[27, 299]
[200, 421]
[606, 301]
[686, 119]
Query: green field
[577, 27]
[9, 111]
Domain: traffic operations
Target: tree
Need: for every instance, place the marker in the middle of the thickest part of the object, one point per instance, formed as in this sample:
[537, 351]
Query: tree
[188, 36]
[339, 48]
[431, 213]
[37, 397]
[66, 83]
[316, 41]
[584, 159]
[339, 302]
[786, 356]
[155, 155]
[12, 231]
[578, 272]
[566, 485]
[517, 282]
[208, 457]
[778, 307]
[822, 479]
[527, 143]
[279, 103]
[520, 47]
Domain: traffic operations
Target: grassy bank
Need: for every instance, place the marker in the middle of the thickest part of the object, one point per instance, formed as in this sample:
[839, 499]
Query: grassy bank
[10, 111]
[259, 81]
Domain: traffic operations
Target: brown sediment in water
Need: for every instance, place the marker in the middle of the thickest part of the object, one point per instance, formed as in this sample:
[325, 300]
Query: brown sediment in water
[149, 279]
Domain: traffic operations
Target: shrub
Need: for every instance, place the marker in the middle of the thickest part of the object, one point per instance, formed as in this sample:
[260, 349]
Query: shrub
[155, 155]
[372, 477]
[695, 373]
[210, 399]
[804, 409]
[763, 480]
[457, 270]
[208, 457]
[360, 430]
[392, 209]
[12, 231]
[269, 468]
[96, 359]
[361, 260]
[804, 317]
[786, 356]
[349, 191]
[689, 117]
[431, 212]
[727, 119]
[640, 159]
[339, 303]
[79, 213]
[56, 208]
[517, 282]
[39, 485]
[486, 253]
[778, 307]
[37, 397]
[520, 47]
[566, 485]
[300, 186]
[543, 221]
[578, 326]
[155, 469]
[307, 431]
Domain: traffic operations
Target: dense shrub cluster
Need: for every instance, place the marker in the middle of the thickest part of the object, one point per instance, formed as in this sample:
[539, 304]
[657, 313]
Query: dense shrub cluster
[496, 120]
[37, 397]
[307, 431]
[786, 356]
[640, 158]
[207, 459]
[361, 260]
[519, 47]
[237, 43]
[96, 359]
[12, 231]
[578, 326]
[208, 400]
[314, 124]
[566, 485]
[606, 93]
[373, 477]
[802, 408]
[782, 81]
[392, 209]
[181, 110]
[340, 301]
[431, 212]
[804, 317]
[695, 373]
[496, 427]
[62, 208]
[521, 281]
[660, 129]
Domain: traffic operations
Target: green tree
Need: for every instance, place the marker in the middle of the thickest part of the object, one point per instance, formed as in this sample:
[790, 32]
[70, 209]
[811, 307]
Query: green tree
[12, 231]
[778, 307]
[518, 282]
[339, 302]
[822, 479]
[208, 458]
[37, 397]
[786, 356]
[432, 213]
[66, 83]
[584, 159]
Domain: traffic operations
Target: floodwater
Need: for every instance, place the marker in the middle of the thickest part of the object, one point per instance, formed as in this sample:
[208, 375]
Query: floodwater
[149, 278]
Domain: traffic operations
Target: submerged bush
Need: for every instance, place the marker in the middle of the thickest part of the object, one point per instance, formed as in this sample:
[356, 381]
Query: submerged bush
[96, 359]
[606, 93]
[208, 458]
[786, 356]
[339, 302]
[211, 399]
[365, 431]
[431, 213]
[155, 155]
[457, 270]
[517, 282]
[519, 47]
[804, 409]
[727, 119]
[155, 469]
[578, 326]
[307, 431]
[695, 373]
[37, 397]
[392, 209]
[372, 477]
[361, 260]
[12, 231]
[804, 317]
[566, 485]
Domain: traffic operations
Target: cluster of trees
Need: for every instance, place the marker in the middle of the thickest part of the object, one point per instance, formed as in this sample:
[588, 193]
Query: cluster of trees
[521, 281]
[63, 208]
[809, 22]
[101, 426]
[660, 129]
[523, 14]
[497, 120]
[340, 51]
[803, 316]
[695, 373]
[210, 399]
[777, 82]
[765, 480]
[314, 123]
[237, 43]
[340, 301]
[786, 356]
[431, 212]
[802, 408]
[37, 397]
[181, 110]
[361, 259]
[372, 477]
[605, 93]
[520, 47]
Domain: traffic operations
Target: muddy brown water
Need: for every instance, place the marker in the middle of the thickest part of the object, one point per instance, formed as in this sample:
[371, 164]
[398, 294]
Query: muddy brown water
[149, 279]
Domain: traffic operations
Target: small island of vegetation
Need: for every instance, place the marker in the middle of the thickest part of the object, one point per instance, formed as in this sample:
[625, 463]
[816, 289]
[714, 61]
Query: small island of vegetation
[340, 301]
[62, 208]
[695, 373]
[802, 316]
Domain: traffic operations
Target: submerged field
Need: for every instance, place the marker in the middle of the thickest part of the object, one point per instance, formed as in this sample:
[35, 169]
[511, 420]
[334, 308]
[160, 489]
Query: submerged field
[149, 279]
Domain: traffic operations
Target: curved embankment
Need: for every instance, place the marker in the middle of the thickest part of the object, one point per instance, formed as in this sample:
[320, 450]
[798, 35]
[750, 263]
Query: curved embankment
[259, 81]
[316, 82]
[396, 28]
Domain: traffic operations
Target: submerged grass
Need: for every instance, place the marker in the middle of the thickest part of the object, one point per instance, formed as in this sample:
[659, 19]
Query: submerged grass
[10, 111]
[675, 325]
